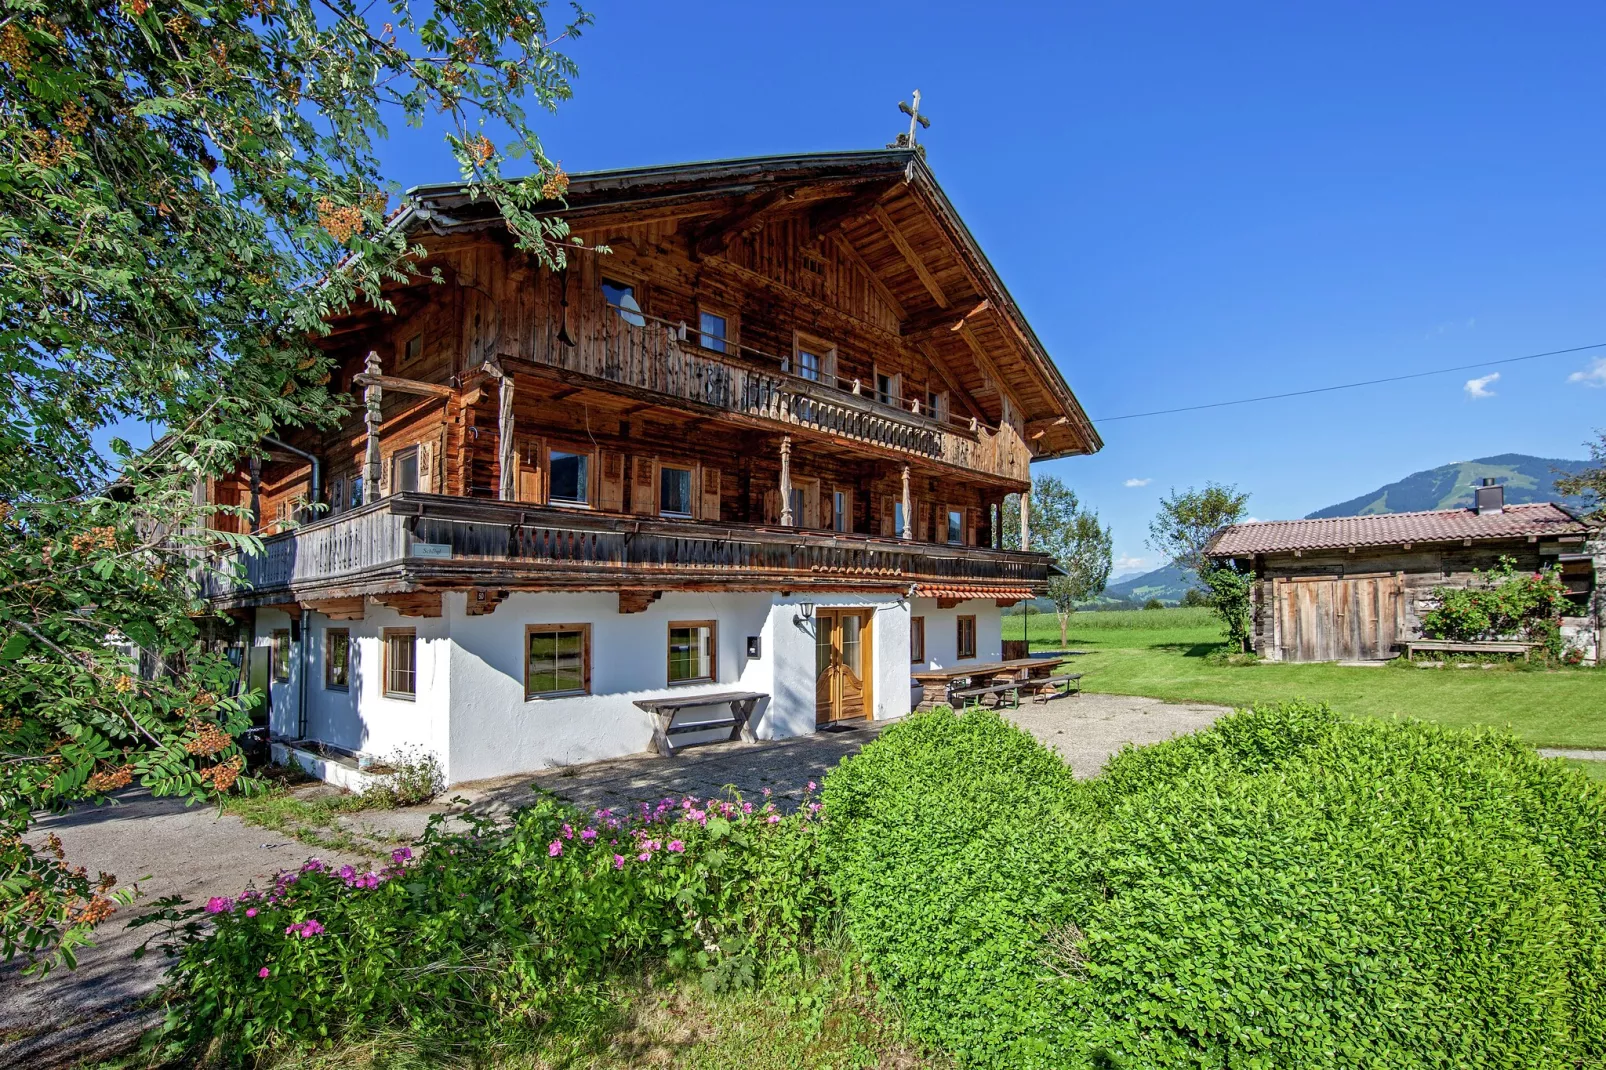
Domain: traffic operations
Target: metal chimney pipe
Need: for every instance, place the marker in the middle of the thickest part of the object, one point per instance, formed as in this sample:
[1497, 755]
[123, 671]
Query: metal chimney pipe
[1490, 497]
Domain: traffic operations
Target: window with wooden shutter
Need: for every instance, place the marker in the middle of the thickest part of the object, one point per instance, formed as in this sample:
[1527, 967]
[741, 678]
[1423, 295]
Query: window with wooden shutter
[772, 506]
[889, 517]
[972, 521]
[710, 508]
[923, 527]
[531, 460]
[643, 495]
[426, 467]
[613, 482]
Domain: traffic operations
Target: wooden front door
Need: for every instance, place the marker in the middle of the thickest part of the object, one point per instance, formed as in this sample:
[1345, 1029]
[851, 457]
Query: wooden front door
[1350, 618]
[841, 665]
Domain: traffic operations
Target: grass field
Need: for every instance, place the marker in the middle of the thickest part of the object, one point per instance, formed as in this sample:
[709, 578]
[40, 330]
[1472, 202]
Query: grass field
[1161, 653]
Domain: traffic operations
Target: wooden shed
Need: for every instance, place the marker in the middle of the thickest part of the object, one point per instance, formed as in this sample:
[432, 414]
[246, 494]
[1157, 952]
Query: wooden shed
[1352, 588]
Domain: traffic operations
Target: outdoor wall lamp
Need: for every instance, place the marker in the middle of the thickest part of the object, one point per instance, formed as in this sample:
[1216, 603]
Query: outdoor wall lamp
[805, 613]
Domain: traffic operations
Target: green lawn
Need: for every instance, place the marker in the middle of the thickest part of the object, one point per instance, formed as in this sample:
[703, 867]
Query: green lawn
[1161, 653]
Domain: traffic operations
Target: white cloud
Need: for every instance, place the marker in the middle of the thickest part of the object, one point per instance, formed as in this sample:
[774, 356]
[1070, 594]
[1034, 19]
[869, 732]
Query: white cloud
[1251, 520]
[1479, 388]
[1594, 375]
[1127, 563]
[1137, 482]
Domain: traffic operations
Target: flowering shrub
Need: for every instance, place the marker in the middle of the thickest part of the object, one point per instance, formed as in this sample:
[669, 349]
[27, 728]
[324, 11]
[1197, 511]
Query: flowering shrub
[498, 922]
[1501, 603]
[1285, 889]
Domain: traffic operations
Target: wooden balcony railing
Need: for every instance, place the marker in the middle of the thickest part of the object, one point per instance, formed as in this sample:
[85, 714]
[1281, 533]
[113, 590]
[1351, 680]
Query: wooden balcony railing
[408, 539]
[652, 358]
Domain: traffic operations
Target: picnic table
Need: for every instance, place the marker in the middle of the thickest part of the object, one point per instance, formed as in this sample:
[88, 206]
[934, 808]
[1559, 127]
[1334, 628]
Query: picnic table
[936, 683]
[664, 710]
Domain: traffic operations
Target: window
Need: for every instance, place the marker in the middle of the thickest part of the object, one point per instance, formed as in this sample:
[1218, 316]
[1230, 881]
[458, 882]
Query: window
[956, 527]
[1578, 576]
[413, 349]
[967, 637]
[404, 470]
[808, 364]
[691, 651]
[281, 654]
[674, 491]
[797, 507]
[886, 388]
[337, 659]
[557, 660]
[937, 404]
[917, 640]
[897, 519]
[839, 510]
[570, 478]
[712, 328]
[356, 491]
[401, 662]
[622, 296]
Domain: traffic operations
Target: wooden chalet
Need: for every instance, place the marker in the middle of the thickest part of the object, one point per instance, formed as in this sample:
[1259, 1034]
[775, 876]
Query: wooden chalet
[1355, 588]
[760, 447]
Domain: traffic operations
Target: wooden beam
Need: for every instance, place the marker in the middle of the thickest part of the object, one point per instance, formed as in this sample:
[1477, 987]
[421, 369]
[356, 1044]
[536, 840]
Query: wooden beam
[827, 220]
[714, 237]
[403, 386]
[927, 279]
[943, 319]
[1036, 429]
[989, 370]
[339, 608]
[955, 391]
[483, 600]
[413, 603]
[875, 280]
[632, 601]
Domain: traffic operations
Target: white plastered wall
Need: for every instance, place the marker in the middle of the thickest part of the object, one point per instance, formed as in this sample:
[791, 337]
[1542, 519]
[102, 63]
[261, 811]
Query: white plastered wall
[942, 632]
[792, 708]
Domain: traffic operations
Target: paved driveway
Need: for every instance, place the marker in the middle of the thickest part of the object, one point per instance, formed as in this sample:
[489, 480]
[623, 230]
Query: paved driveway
[72, 1016]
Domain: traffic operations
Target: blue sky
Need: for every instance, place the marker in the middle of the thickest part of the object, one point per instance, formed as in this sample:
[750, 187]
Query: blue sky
[1195, 203]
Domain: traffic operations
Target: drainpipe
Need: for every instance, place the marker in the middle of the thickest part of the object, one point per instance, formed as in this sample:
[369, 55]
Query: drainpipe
[301, 682]
[317, 481]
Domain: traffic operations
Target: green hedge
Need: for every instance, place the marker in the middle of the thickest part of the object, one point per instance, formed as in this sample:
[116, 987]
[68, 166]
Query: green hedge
[1284, 889]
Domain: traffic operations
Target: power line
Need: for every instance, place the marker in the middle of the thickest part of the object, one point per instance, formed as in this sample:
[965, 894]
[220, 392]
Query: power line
[1349, 386]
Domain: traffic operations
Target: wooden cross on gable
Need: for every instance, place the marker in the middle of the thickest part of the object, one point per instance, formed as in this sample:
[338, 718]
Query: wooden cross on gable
[916, 122]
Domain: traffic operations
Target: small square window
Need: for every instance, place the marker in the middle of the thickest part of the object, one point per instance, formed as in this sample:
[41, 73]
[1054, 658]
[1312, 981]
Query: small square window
[557, 660]
[401, 663]
[570, 478]
[809, 364]
[281, 655]
[404, 470]
[917, 640]
[937, 404]
[674, 491]
[966, 646]
[712, 328]
[413, 349]
[691, 651]
[337, 659]
[839, 510]
[622, 296]
[956, 527]
[356, 491]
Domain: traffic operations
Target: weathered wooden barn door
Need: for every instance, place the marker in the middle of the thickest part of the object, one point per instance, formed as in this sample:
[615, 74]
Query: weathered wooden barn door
[1350, 618]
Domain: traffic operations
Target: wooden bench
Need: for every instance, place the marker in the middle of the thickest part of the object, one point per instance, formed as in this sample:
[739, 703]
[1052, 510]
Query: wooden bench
[1012, 688]
[1445, 647]
[1050, 687]
[741, 705]
[1043, 688]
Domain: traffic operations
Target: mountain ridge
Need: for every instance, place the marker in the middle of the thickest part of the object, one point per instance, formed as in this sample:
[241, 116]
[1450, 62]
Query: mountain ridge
[1449, 486]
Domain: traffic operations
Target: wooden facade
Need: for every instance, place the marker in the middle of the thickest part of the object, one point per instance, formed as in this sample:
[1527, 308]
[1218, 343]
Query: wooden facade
[782, 373]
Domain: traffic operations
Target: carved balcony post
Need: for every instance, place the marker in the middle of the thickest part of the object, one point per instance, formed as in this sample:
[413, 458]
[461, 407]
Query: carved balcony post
[786, 481]
[372, 394]
[908, 531]
[1026, 519]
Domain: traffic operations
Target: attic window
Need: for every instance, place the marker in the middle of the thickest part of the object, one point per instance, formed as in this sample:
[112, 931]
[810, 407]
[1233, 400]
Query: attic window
[622, 296]
[413, 349]
[813, 263]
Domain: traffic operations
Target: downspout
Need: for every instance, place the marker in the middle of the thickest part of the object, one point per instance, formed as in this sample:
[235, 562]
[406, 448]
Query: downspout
[306, 614]
[317, 481]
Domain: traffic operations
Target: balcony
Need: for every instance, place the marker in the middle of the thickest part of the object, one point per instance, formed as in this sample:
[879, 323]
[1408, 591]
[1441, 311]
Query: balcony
[652, 360]
[410, 542]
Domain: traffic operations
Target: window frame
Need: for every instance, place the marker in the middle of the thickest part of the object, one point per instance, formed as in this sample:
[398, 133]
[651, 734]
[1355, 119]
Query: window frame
[692, 489]
[337, 495]
[637, 288]
[841, 506]
[396, 459]
[713, 652]
[917, 640]
[585, 660]
[937, 404]
[354, 490]
[816, 346]
[728, 344]
[951, 535]
[894, 394]
[960, 622]
[591, 475]
[410, 350]
[329, 635]
[386, 636]
[279, 644]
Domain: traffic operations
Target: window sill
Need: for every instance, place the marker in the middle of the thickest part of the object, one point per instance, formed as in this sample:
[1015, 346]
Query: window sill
[337, 687]
[402, 696]
[688, 683]
[543, 695]
[558, 503]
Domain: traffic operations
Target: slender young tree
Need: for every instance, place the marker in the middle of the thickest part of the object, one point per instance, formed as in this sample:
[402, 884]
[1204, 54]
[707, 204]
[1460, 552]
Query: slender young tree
[187, 189]
[1591, 482]
[1070, 534]
[1188, 521]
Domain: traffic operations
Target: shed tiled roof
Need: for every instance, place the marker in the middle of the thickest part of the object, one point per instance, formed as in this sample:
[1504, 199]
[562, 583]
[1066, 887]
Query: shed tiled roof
[938, 590]
[1391, 529]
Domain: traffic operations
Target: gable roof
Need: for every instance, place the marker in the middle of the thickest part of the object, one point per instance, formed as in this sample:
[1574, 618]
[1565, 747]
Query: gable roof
[887, 206]
[1539, 519]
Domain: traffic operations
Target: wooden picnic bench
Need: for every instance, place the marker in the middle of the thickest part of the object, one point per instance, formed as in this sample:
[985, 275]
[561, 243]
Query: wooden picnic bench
[1044, 688]
[938, 685]
[664, 709]
[1446, 647]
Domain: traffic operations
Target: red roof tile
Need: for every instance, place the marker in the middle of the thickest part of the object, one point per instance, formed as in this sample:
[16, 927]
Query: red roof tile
[1390, 529]
[932, 590]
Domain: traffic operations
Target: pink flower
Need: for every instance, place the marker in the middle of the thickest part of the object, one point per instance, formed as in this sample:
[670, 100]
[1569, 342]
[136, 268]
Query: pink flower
[766, 793]
[251, 912]
[618, 861]
[263, 973]
[568, 831]
[219, 905]
[775, 819]
[588, 835]
[310, 927]
[814, 808]
[401, 854]
[312, 865]
[812, 785]
[676, 846]
[555, 849]
[645, 856]
[348, 874]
